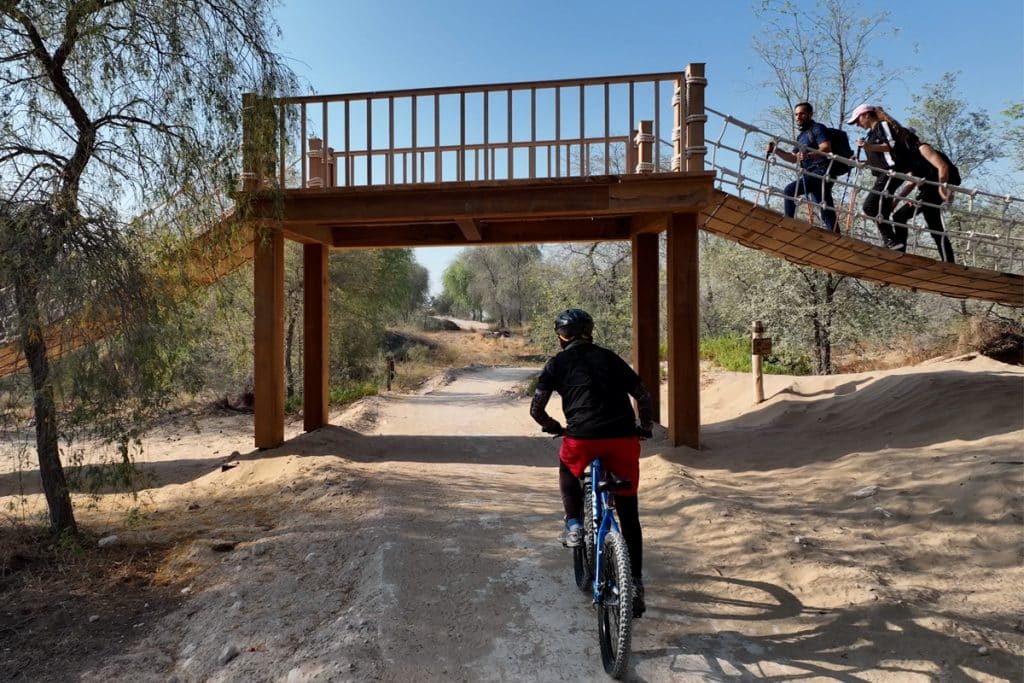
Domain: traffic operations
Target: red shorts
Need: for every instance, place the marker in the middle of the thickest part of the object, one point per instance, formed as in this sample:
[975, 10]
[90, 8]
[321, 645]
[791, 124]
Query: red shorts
[621, 456]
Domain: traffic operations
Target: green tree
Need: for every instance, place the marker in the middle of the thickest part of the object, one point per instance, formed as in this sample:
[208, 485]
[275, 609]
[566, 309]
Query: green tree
[107, 104]
[370, 289]
[823, 54]
[596, 277]
[500, 280]
[1015, 132]
[945, 121]
[457, 280]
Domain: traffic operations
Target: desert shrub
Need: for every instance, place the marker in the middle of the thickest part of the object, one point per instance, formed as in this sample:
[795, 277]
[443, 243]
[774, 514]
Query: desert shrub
[350, 392]
[733, 353]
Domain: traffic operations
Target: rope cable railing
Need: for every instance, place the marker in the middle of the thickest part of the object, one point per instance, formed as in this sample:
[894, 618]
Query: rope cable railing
[988, 232]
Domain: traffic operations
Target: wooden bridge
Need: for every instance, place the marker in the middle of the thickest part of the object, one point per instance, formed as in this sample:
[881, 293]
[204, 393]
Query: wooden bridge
[549, 161]
[543, 162]
[524, 162]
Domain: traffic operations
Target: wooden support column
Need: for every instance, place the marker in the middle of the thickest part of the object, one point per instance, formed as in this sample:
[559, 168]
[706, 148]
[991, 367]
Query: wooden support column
[683, 332]
[268, 368]
[316, 355]
[645, 315]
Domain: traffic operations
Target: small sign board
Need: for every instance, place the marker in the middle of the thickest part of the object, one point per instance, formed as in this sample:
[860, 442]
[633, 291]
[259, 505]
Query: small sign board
[762, 346]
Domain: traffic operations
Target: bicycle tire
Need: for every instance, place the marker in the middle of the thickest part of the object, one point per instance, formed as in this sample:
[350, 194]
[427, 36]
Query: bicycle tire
[615, 608]
[583, 556]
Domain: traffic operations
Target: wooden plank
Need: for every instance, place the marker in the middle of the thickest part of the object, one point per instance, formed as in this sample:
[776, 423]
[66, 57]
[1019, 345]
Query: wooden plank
[470, 229]
[683, 332]
[316, 349]
[823, 262]
[767, 243]
[863, 260]
[268, 339]
[791, 250]
[811, 243]
[646, 313]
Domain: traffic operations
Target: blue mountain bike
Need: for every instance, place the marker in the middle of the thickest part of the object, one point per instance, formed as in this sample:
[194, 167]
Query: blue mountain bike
[601, 565]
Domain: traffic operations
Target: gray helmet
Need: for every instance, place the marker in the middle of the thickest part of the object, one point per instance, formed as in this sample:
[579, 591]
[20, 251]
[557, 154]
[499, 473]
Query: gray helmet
[574, 322]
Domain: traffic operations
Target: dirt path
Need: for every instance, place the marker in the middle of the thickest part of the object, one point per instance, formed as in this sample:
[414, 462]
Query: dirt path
[415, 539]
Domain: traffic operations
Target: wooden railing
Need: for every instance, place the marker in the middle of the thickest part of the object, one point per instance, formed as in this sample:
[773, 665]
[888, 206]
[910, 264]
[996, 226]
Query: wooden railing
[541, 129]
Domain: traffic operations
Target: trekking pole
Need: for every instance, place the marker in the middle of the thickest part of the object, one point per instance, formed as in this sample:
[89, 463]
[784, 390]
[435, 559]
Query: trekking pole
[765, 174]
[853, 195]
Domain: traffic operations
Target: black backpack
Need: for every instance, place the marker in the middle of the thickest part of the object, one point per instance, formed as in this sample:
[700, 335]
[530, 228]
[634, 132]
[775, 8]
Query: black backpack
[922, 167]
[840, 143]
[954, 172]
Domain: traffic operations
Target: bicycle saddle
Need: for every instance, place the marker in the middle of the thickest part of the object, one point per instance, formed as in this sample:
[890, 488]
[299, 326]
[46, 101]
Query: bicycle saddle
[613, 483]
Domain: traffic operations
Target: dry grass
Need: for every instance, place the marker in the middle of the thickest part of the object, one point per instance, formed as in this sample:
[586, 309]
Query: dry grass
[453, 350]
[992, 337]
[897, 353]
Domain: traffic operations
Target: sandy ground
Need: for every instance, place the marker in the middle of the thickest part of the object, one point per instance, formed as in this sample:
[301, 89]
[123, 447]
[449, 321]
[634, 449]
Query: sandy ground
[859, 527]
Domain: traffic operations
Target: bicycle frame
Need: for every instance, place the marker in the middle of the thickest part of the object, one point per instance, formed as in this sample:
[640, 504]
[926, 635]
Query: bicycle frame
[603, 560]
[602, 517]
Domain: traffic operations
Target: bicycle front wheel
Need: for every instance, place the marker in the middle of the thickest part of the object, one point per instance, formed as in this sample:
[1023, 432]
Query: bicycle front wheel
[615, 607]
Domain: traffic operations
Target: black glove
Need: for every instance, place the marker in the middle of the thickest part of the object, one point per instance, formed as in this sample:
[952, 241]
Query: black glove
[555, 429]
[644, 433]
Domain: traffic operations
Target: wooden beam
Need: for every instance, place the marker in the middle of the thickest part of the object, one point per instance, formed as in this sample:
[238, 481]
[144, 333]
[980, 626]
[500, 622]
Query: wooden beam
[316, 350]
[683, 332]
[502, 232]
[487, 201]
[470, 229]
[310, 234]
[646, 316]
[268, 338]
[649, 222]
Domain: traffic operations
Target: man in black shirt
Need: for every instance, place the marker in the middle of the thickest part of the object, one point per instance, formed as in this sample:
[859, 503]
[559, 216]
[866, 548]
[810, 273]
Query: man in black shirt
[595, 385]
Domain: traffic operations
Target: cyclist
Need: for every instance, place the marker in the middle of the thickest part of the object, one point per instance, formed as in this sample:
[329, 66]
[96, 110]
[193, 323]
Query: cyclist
[595, 385]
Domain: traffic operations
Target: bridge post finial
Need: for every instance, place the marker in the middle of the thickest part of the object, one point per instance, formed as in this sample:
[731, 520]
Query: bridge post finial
[695, 117]
[644, 141]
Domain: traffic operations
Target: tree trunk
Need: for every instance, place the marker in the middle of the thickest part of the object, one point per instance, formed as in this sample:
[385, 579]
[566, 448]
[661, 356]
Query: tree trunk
[289, 371]
[55, 487]
[826, 342]
[825, 350]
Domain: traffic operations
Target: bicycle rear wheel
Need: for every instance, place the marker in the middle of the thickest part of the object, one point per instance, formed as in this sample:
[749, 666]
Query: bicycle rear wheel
[615, 608]
[583, 556]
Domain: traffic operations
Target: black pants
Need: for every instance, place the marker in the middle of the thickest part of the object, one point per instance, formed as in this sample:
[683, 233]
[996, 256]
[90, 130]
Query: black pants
[879, 203]
[629, 515]
[929, 195]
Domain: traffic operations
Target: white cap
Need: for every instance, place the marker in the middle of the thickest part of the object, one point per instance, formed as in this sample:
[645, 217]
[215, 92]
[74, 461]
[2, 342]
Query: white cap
[861, 109]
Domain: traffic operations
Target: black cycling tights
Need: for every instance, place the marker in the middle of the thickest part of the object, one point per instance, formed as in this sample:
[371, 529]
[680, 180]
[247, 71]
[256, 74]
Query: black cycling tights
[629, 515]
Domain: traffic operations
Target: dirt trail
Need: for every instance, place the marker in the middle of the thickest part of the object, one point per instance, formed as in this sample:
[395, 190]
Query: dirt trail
[415, 539]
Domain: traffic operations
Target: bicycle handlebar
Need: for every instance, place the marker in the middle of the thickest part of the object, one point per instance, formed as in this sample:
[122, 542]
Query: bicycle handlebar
[637, 430]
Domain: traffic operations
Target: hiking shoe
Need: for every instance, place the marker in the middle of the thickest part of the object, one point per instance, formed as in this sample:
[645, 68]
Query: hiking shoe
[639, 606]
[573, 537]
[895, 246]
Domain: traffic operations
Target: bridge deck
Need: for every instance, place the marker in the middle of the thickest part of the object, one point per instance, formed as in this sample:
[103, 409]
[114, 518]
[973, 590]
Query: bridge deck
[799, 242]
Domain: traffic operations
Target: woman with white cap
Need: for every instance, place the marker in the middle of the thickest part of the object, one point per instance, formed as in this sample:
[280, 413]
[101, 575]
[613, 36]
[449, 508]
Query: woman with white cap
[886, 146]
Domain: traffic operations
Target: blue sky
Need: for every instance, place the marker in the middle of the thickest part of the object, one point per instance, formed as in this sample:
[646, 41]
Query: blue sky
[354, 46]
